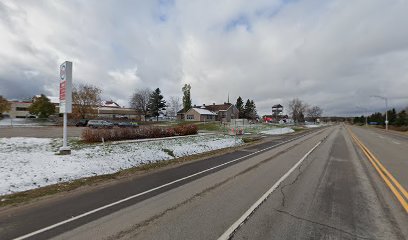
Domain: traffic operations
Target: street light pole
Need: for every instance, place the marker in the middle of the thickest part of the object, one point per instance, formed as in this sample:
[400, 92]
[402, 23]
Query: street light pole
[386, 114]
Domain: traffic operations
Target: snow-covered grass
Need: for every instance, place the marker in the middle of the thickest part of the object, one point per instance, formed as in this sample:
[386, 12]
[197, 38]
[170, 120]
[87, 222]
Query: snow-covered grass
[313, 125]
[257, 128]
[278, 131]
[28, 163]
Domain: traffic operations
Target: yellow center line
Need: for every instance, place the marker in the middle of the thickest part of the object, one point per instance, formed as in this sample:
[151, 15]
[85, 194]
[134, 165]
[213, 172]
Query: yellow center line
[383, 172]
[389, 175]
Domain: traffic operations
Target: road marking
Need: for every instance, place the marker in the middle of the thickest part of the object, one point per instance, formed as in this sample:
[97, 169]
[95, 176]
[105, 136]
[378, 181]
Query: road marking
[396, 142]
[389, 175]
[381, 136]
[227, 234]
[398, 134]
[154, 189]
[383, 172]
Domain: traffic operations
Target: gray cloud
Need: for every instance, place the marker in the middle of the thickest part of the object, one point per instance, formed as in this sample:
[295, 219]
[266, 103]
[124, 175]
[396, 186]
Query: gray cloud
[329, 53]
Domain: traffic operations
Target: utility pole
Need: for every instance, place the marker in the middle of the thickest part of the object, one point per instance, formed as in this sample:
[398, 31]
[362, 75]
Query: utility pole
[386, 110]
[365, 113]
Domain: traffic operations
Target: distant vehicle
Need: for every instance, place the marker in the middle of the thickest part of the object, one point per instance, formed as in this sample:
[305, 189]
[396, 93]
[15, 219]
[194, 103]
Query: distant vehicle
[127, 124]
[82, 123]
[99, 124]
[122, 117]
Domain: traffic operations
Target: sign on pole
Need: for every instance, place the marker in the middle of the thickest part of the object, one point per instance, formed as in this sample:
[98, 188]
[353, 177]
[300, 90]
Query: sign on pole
[65, 87]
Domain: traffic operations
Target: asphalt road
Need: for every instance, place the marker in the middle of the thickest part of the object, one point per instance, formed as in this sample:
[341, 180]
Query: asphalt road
[390, 148]
[332, 192]
[18, 221]
[337, 195]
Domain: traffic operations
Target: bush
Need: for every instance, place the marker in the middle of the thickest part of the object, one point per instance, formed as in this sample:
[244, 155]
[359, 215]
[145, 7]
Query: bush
[186, 130]
[116, 134]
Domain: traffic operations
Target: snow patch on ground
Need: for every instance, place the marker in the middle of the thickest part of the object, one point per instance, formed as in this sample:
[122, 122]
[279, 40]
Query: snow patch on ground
[278, 131]
[313, 125]
[28, 163]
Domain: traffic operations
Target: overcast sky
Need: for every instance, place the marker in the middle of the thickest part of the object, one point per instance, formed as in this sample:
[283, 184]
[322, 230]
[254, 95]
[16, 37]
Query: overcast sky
[330, 53]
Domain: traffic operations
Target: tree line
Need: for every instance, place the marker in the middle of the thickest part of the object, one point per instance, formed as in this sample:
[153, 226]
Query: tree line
[151, 103]
[248, 110]
[394, 118]
[86, 99]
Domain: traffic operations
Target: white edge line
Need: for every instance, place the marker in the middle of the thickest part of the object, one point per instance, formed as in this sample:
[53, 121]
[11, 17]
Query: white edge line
[150, 190]
[227, 234]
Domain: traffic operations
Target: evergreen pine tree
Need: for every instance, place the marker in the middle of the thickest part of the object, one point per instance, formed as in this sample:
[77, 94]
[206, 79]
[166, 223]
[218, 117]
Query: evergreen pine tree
[253, 112]
[247, 109]
[402, 119]
[240, 107]
[392, 116]
[156, 103]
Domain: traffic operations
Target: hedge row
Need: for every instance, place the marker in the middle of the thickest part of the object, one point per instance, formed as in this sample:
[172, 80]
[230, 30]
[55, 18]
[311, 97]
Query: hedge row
[116, 134]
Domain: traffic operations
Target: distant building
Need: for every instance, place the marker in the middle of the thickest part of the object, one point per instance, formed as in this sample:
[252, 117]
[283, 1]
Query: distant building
[277, 110]
[200, 114]
[225, 112]
[108, 109]
[111, 104]
[181, 114]
[111, 109]
[19, 109]
[277, 119]
[221, 112]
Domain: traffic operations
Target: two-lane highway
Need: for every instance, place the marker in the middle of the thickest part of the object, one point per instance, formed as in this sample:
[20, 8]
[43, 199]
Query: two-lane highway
[51, 216]
[339, 195]
[317, 186]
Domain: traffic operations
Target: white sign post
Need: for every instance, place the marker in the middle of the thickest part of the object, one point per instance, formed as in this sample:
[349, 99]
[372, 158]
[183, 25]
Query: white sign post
[65, 97]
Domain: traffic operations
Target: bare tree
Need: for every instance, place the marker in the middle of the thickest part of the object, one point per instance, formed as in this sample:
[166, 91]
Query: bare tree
[140, 100]
[297, 109]
[85, 98]
[314, 113]
[174, 106]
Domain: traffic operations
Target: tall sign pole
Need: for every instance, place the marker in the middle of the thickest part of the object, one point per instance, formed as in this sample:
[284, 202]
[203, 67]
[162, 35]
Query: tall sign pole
[65, 105]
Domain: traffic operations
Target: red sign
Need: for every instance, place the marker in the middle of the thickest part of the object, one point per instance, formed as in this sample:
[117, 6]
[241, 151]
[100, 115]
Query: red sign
[62, 90]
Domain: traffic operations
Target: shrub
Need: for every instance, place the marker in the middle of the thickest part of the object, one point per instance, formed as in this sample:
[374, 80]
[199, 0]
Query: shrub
[186, 130]
[116, 134]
